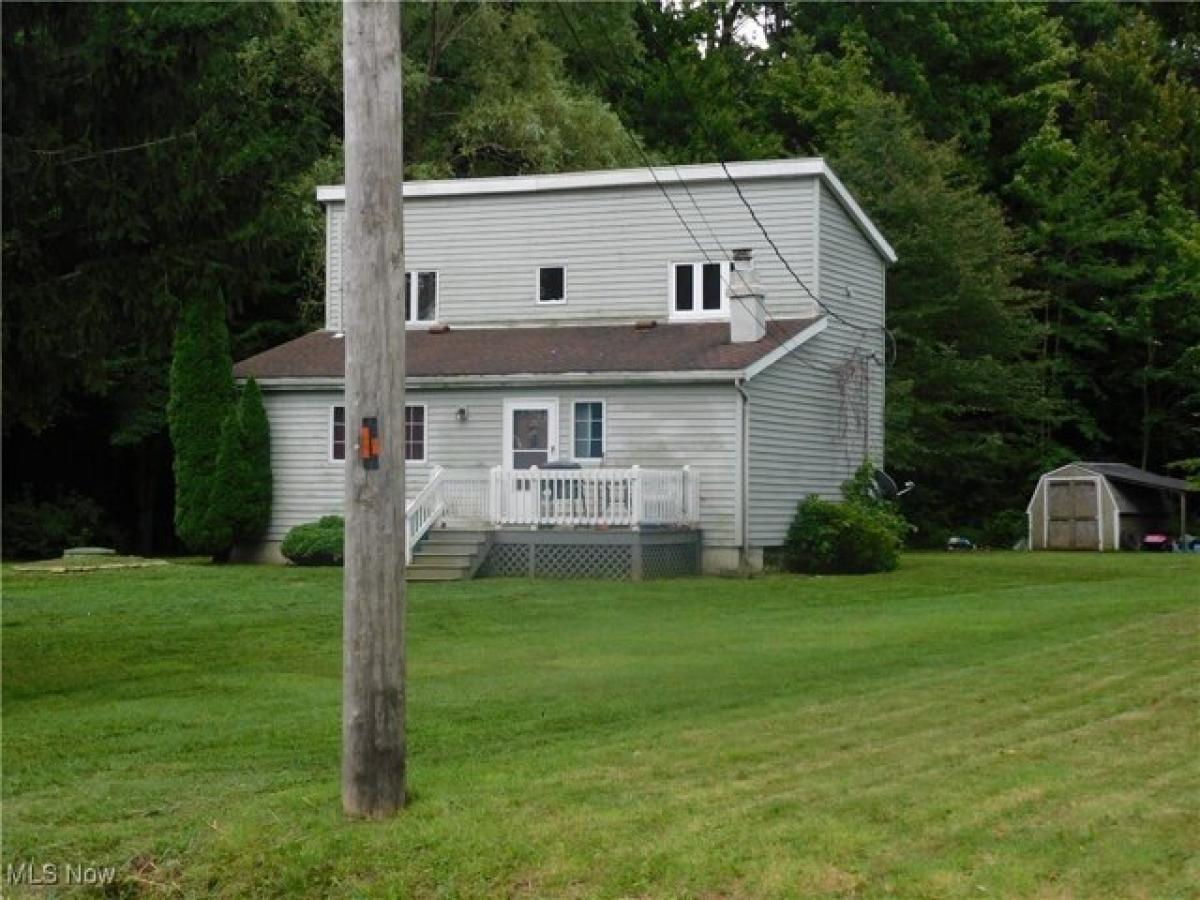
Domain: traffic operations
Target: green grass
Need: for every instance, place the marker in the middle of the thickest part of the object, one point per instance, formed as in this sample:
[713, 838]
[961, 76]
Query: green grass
[983, 725]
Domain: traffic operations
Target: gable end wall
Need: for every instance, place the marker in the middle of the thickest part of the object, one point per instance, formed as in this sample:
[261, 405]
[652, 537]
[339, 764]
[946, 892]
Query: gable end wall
[807, 434]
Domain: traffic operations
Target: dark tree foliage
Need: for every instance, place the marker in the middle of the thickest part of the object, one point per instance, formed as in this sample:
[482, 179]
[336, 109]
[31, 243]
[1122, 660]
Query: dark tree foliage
[1035, 165]
[201, 399]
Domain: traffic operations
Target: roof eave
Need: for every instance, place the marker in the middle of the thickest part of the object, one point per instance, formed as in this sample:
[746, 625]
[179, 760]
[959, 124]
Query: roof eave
[707, 172]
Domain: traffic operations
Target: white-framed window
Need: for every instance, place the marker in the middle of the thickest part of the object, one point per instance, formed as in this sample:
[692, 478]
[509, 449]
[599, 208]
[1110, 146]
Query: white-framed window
[421, 304]
[699, 290]
[337, 433]
[587, 429]
[551, 285]
[415, 436]
[416, 431]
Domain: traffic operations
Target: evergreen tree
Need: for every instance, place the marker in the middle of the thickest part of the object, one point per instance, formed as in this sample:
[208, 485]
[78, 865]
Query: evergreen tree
[241, 498]
[201, 393]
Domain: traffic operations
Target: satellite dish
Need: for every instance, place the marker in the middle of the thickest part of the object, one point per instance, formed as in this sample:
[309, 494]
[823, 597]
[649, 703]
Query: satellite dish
[883, 486]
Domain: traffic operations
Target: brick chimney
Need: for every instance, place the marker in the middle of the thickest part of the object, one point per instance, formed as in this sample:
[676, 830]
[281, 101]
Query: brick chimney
[747, 302]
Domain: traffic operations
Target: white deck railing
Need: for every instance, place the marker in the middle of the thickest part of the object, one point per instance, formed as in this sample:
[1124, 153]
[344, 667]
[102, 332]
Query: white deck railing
[629, 498]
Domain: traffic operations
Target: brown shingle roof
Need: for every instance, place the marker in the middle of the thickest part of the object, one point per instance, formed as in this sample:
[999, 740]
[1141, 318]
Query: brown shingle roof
[538, 351]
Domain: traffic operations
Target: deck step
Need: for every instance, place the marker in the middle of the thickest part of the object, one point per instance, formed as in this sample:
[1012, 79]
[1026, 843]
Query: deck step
[430, 573]
[440, 548]
[449, 554]
[429, 558]
[454, 536]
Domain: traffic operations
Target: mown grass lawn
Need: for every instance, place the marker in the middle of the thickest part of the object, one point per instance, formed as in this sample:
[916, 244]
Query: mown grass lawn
[970, 726]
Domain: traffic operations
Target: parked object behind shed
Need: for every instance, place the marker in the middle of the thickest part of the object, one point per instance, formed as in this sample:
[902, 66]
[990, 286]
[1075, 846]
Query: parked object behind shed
[1104, 506]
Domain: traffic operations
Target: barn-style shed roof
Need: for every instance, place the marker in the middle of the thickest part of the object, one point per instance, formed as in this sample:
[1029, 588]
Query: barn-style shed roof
[1133, 475]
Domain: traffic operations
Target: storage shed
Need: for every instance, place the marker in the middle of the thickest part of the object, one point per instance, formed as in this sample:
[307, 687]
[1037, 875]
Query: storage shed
[1104, 506]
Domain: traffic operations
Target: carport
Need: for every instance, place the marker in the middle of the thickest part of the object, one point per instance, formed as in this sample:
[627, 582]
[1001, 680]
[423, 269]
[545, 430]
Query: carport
[1104, 506]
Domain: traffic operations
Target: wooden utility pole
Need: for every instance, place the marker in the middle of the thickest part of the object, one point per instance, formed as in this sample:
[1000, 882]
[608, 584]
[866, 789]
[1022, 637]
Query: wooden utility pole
[373, 692]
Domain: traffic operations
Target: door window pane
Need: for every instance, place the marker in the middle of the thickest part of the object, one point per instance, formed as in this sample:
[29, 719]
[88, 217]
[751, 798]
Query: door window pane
[530, 438]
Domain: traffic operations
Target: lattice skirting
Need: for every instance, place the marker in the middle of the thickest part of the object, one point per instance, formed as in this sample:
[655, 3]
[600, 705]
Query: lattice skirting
[579, 554]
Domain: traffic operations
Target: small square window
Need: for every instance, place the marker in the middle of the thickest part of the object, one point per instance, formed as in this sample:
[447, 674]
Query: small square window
[552, 284]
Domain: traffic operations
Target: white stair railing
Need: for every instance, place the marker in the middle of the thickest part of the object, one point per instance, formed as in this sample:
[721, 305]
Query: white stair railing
[423, 510]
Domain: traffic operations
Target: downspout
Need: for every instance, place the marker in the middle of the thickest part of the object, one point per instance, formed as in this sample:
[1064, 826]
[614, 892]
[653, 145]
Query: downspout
[744, 473]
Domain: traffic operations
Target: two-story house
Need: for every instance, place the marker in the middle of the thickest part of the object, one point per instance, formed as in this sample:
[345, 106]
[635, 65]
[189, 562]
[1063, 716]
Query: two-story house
[609, 372]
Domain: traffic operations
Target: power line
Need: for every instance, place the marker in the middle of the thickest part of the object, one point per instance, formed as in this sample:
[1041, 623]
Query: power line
[691, 234]
[666, 56]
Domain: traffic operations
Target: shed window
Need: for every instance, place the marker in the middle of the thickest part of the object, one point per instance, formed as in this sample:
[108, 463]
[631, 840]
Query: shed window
[414, 433]
[552, 284]
[589, 429]
[425, 307]
[700, 290]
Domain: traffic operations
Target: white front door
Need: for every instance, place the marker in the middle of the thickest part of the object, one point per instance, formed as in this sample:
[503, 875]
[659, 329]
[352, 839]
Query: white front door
[530, 439]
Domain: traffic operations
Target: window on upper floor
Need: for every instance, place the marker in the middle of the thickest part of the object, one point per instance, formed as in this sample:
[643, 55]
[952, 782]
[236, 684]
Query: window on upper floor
[414, 433]
[589, 429]
[424, 307]
[552, 284]
[699, 290]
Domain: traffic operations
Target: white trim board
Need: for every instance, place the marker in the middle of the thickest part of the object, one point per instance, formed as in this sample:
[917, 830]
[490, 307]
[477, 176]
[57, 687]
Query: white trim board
[785, 348]
[696, 174]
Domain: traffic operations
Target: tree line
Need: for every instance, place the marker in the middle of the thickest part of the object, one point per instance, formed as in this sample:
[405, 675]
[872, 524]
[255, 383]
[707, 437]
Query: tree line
[1034, 165]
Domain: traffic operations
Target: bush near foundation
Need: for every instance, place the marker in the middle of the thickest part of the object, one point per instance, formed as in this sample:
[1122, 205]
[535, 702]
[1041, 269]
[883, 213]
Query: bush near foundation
[862, 534]
[320, 543]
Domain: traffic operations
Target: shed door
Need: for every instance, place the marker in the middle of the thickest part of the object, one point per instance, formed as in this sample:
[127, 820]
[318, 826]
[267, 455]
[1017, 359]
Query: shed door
[1072, 514]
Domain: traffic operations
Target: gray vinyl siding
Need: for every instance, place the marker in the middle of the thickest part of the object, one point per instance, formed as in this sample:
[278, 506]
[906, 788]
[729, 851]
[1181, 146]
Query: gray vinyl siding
[335, 227]
[668, 426]
[616, 242]
[306, 485]
[807, 434]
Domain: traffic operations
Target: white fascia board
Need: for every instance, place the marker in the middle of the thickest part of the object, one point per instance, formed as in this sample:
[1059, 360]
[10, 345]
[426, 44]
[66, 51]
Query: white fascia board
[609, 178]
[516, 380]
[1037, 487]
[786, 347]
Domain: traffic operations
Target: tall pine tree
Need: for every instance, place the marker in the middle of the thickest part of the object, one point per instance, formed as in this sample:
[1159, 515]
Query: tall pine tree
[201, 394]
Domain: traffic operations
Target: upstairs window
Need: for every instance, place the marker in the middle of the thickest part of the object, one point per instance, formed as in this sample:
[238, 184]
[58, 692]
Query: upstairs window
[424, 307]
[589, 429]
[552, 284]
[414, 433]
[700, 290]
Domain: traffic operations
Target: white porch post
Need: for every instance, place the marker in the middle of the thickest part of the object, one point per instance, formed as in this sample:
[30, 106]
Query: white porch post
[636, 500]
[494, 503]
